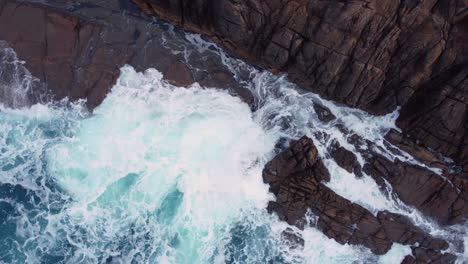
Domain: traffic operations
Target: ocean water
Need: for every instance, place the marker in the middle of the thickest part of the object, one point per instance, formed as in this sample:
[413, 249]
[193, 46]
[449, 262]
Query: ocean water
[160, 174]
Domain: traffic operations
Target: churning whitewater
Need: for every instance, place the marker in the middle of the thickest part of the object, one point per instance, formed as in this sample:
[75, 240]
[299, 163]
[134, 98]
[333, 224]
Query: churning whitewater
[161, 174]
[156, 174]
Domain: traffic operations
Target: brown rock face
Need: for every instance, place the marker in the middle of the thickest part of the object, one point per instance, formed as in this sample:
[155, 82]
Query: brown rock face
[76, 49]
[374, 55]
[443, 197]
[55, 48]
[346, 159]
[178, 74]
[296, 178]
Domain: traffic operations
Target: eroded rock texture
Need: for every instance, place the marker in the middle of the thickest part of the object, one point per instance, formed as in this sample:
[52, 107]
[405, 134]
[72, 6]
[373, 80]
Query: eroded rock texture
[296, 177]
[375, 55]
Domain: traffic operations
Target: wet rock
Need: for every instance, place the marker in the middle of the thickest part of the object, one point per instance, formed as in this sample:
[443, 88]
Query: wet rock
[296, 178]
[364, 54]
[215, 76]
[55, 50]
[294, 239]
[436, 187]
[300, 160]
[437, 114]
[420, 153]
[323, 113]
[374, 55]
[442, 197]
[346, 159]
[76, 49]
[179, 74]
[421, 255]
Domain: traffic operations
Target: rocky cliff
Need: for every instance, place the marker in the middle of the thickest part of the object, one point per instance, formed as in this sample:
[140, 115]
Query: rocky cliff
[375, 55]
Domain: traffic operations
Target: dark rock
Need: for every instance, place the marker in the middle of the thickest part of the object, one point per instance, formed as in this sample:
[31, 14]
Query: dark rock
[323, 113]
[437, 114]
[345, 159]
[421, 255]
[294, 239]
[296, 178]
[76, 49]
[56, 51]
[443, 197]
[374, 55]
[217, 76]
[371, 55]
[420, 153]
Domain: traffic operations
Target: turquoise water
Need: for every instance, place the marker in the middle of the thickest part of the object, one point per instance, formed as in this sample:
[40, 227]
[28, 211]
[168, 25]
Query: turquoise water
[157, 174]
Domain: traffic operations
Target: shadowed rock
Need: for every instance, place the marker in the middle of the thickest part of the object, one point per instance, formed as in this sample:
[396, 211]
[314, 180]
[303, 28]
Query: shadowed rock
[442, 195]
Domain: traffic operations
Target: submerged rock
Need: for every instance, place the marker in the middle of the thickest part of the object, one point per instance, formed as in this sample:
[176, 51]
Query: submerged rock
[294, 239]
[296, 177]
[323, 113]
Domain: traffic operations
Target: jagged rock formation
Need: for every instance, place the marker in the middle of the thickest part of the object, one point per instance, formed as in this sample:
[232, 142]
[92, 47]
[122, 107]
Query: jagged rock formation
[296, 177]
[346, 159]
[443, 197]
[374, 55]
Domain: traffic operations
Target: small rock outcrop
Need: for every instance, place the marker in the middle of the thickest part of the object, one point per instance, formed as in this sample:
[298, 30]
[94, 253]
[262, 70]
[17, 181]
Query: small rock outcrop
[346, 159]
